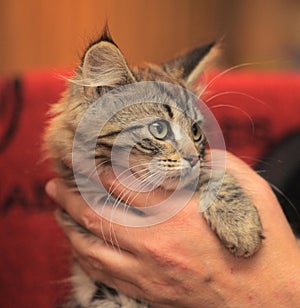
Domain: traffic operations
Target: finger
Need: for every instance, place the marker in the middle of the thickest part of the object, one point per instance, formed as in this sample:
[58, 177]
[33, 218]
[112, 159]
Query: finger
[129, 288]
[77, 208]
[126, 188]
[75, 205]
[71, 202]
[99, 252]
[115, 268]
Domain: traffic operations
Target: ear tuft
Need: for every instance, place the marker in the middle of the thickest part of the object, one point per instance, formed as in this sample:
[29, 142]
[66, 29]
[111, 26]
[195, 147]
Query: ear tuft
[190, 66]
[105, 37]
[103, 64]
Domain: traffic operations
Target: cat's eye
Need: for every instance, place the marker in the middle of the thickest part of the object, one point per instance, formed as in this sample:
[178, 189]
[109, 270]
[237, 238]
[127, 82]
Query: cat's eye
[159, 129]
[197, 132]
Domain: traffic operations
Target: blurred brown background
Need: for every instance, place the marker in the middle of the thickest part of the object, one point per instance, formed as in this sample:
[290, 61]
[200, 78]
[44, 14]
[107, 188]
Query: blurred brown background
[42, 34]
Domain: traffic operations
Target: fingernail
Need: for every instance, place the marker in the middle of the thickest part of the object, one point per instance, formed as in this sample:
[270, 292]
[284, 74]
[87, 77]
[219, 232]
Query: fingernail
[51, 189]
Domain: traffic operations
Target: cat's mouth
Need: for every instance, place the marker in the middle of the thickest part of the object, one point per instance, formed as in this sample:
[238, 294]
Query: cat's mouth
[169, 177]
[186, 178]
[145, 172]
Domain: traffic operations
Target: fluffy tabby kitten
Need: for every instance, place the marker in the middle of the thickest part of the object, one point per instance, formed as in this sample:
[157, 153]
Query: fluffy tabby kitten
[232, 215]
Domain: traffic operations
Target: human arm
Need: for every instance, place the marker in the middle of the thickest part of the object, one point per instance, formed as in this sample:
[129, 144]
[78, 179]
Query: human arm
[181, 263]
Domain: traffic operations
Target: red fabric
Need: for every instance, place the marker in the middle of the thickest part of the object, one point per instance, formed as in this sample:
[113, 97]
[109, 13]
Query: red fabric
[34, 255]
[255, 110]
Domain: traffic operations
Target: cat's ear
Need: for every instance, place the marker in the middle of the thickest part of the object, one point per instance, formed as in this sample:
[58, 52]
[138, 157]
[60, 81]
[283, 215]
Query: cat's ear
[104, 66]
[190, 66]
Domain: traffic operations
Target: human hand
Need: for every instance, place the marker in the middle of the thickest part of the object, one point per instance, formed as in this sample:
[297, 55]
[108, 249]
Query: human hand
[181, 263]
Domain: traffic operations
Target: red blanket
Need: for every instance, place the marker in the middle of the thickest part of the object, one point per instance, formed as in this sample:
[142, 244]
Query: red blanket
[255, 110]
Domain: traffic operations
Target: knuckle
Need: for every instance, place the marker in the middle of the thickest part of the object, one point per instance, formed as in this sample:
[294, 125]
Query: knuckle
[94, 262]
[158, 252]
[164, 253]
[88, 220]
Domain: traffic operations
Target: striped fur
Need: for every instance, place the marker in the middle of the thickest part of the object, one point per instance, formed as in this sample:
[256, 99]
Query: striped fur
[104, 68]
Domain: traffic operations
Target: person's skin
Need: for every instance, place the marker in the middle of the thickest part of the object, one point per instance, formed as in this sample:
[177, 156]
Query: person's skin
[180, 262]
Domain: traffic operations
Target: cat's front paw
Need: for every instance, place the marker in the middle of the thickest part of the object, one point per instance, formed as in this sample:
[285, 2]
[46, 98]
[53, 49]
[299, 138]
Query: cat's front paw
[235, 219]
[241, 242]
[239, 229]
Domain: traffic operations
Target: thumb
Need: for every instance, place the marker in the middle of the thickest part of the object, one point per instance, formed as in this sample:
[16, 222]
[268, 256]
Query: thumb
[54, 189]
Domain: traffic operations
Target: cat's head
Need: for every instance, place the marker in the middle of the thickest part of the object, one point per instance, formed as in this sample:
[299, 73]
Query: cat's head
[163, 138]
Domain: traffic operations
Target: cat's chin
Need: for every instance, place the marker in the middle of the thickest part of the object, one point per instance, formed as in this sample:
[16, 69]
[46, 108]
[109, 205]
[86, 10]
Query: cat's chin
[188, 178]
[176, 183]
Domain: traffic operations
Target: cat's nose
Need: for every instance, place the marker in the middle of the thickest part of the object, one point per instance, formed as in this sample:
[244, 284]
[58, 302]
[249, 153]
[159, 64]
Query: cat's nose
[192, 159]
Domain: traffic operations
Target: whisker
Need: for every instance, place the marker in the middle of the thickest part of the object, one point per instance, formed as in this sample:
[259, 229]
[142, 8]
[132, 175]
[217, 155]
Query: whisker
[111, 190]
[286, 198]
[95, 170]
[257, 160]
[240, 110]
[114, 238]
[242, 94]
[116, 205]
[212, 81]
[127, 207]
[145, 183]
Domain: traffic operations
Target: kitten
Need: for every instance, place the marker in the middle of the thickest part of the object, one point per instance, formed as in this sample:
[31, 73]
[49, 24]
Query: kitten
[103, 70]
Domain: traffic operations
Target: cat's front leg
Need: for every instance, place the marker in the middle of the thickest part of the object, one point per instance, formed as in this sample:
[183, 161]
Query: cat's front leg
[235, 219]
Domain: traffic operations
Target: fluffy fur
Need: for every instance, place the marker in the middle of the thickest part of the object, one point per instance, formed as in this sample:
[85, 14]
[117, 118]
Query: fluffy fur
[232, 215]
